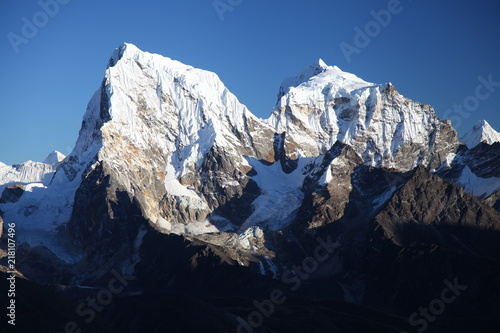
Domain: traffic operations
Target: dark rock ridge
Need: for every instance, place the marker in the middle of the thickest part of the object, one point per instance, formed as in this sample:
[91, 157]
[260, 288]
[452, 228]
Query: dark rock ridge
[12, 193]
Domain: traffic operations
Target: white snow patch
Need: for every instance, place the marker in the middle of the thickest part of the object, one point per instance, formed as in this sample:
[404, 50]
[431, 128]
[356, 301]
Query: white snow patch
[384, 197]
[140, 236]
[477, 186]
[327, 176]
[250, 233]
[223, 224]
[194, 228]
[280, 198]
[230, 183]
[163, 224]
[30, 187]
[272, 267]
[174, 187]
[449, 159]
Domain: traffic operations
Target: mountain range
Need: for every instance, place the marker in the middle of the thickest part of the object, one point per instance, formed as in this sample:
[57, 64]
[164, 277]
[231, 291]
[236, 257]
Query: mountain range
[349, 209]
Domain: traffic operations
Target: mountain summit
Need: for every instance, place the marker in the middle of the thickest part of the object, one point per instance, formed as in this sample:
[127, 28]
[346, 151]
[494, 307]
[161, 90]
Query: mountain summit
[306, 74]
[323, 105]
[54, 157]
[480, 132]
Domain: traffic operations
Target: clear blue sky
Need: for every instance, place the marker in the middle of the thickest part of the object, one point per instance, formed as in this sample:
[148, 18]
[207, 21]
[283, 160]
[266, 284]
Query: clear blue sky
[432, 51]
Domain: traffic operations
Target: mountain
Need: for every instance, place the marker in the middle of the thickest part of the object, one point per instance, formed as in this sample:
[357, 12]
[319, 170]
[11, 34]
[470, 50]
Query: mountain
[385, 128]
[30, 172]
[348, 193]
[474, 166]
[27, 172]
[480, 132]
[54, 157]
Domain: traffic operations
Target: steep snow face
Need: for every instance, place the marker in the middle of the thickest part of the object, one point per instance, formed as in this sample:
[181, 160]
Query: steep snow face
[281, 195]
[142, 85]
[383, 127]
[304, 76]
[25, 173]
[480, 132]
[150, 99]
[477, 186]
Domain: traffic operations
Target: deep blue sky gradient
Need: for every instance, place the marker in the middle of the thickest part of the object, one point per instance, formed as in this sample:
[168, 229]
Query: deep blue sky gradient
[433, 52]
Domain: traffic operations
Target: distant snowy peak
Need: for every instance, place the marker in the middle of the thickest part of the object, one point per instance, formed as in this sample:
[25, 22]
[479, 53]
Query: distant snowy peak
[54, 157]
[480, 132]
[29, 171]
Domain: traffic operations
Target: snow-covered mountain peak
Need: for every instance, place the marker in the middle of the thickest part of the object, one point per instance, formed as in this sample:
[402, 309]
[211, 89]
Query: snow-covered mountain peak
[145, 94]
[127, 50]
[323, 105]
[158, 117]
[54, 157]
[132, 68]
[480, 132]
[322, 64]
[317, 75]
[334, 80]
[306, 74]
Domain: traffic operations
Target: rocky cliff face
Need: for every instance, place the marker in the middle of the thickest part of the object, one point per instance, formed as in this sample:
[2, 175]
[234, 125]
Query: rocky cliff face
[174, 181]
[429, 210]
